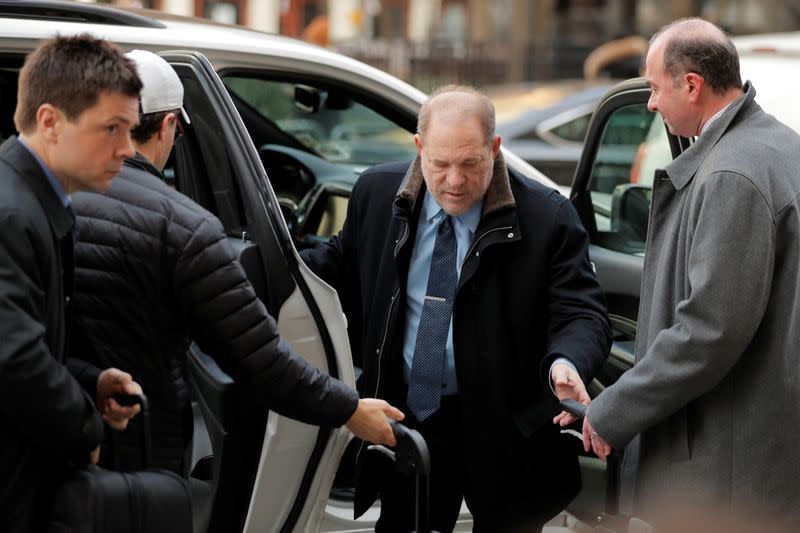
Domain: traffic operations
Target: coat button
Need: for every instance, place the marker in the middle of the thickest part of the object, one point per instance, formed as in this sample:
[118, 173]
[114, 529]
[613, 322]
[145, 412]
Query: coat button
[378, 351]
[477, 254]
[510, 235]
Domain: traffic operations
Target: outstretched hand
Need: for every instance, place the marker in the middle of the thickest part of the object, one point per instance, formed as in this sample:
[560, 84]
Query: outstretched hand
[370, 423]
[568, 384]
[111, 382]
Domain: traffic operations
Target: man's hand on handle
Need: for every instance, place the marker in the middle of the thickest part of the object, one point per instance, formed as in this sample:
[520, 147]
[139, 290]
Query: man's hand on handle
[568, 384]
[370, 423]
[111, 382]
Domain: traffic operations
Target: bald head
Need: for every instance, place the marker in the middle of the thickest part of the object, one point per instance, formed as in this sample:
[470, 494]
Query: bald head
[696, 45]
[451, 103]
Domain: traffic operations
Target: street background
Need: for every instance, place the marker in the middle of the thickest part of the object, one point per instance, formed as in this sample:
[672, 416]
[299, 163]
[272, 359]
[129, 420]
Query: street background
[486, 43]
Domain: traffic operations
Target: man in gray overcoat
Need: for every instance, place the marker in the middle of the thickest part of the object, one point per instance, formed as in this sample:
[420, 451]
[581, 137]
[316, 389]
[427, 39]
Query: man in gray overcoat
[710, 411]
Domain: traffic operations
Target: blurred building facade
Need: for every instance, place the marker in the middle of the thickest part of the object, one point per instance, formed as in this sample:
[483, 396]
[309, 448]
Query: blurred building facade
[483, 42]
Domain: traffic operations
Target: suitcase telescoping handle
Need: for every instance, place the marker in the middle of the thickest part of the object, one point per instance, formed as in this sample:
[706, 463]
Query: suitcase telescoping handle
[128, 400]
[411, 452]
[411, 457]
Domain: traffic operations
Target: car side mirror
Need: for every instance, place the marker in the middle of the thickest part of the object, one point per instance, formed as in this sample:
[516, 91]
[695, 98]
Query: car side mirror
[630, 210]
[307, 99]
[338, 101]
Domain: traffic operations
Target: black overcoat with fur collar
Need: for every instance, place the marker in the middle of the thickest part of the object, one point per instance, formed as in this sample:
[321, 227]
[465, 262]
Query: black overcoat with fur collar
[527, 294]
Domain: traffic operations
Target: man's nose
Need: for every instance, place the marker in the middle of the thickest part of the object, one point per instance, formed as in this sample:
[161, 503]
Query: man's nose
[455, 176]
[651, 104]
[127, 149]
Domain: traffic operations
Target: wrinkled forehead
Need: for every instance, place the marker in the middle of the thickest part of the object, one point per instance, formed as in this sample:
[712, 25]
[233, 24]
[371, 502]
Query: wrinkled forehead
[454, 127]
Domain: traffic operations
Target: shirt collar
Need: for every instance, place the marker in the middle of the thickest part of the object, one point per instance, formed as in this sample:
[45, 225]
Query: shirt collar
[63, 197]
[433, 211]
[713, 118]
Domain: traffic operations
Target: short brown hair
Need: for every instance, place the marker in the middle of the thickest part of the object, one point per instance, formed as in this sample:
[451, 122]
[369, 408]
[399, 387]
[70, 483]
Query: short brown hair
[696, 45]
[482, 107]
[70, 73]
[149, 124]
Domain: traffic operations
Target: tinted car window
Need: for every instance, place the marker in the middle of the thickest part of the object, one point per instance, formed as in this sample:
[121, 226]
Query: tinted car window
[574, 130]
[328, 122]
[212, 185]
[633, 144]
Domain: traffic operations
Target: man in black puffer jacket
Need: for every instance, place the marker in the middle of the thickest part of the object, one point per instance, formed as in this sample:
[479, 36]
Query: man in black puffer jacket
[155, 271]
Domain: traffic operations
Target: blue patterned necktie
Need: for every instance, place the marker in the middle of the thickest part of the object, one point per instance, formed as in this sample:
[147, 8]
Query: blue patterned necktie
[430, 350]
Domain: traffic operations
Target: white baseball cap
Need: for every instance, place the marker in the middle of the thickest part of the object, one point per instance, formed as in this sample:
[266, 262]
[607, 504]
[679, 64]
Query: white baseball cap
[161, 88]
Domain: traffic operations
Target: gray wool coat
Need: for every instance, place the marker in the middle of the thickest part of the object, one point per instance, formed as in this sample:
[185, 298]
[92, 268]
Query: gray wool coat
[715, 391]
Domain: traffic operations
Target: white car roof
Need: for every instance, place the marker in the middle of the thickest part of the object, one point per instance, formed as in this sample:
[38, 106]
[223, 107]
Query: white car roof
[234, 46]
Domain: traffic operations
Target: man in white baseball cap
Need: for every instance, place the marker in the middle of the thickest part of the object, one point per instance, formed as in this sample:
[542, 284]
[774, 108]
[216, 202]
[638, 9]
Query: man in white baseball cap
[160, 108]
[155, 272]
[163, 90]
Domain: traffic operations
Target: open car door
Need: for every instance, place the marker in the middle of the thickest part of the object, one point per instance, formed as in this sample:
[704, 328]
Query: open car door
[611, 191]
[265, 472]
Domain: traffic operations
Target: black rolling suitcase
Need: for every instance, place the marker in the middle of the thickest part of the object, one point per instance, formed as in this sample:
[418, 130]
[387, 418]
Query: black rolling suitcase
[411, 457]
[95, 500]
[610, 520]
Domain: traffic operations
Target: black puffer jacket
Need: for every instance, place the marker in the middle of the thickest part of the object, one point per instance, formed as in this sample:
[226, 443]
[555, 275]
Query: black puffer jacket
[153, 272]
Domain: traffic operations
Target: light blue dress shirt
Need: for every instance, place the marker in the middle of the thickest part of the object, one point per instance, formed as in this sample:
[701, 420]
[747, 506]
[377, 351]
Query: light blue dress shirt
[417, 283]
[65, 199]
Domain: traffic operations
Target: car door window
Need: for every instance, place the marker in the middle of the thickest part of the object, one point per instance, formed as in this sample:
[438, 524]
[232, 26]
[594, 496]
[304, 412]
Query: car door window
[326, 121]
[633, 144]
[310, 136]
[571, 131]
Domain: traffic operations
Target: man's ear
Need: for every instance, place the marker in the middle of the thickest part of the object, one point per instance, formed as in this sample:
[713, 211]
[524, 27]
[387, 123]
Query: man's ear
[495, 146]
[48, 121]
[166, 122]
[695, 83]
[418, 142]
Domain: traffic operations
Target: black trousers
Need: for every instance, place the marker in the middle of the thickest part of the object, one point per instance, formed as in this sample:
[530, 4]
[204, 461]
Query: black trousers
[449, 482]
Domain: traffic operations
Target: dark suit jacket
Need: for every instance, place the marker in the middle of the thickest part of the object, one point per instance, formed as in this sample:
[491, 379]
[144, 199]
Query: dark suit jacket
[527, 294]
[46, 418]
